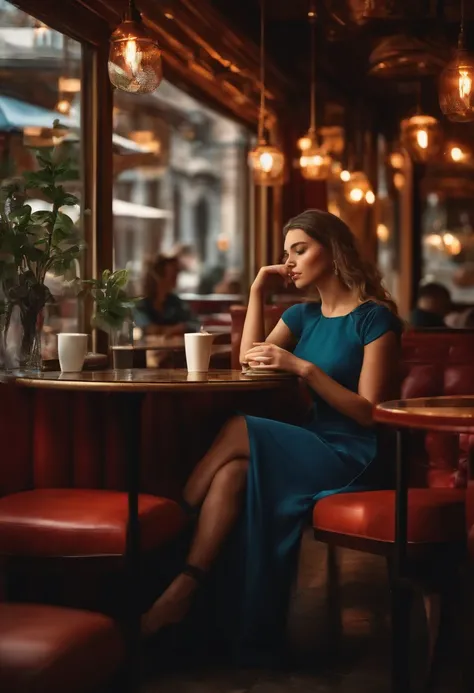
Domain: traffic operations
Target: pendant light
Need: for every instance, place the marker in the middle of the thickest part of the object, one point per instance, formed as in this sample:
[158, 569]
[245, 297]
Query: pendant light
[266, 161]
[315, 163]
[456, 83]
[134, 57]
[422, 137]
[357, 186]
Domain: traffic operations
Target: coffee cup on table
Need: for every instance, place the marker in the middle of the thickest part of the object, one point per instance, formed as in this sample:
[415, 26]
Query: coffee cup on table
[198, 346]
[72, 349]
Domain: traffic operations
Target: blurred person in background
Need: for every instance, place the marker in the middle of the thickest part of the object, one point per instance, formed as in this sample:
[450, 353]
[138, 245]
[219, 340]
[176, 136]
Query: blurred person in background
[161, 311]
[432, 305]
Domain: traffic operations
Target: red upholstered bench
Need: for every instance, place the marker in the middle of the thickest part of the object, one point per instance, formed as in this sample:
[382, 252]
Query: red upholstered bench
[46, 649]
[81, 522]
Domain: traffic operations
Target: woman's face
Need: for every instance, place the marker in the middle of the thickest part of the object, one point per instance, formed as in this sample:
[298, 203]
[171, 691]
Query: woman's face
[306, 259]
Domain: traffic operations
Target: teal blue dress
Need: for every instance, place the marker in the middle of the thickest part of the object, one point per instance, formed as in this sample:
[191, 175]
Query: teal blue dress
[292, 467]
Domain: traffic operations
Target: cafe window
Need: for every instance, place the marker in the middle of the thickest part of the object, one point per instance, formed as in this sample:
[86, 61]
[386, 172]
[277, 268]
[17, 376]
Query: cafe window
[180, 178]
[40, 70]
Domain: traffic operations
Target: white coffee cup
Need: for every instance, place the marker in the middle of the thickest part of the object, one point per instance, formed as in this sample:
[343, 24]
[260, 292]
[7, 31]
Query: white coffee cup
[198, 351]
[72, 349]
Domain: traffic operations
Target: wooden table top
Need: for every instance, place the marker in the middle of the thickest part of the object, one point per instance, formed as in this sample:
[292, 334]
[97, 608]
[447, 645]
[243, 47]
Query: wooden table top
[454, 414]
[146, 380]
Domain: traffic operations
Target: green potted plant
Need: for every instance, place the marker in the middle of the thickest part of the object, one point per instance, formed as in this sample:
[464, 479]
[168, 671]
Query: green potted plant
[35, 244]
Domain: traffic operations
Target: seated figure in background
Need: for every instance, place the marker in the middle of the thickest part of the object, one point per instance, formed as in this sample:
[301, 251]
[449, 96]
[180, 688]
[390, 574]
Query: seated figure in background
[161, 311]
[432, 305]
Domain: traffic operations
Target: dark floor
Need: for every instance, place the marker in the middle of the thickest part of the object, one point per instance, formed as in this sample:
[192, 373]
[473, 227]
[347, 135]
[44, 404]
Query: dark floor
[361, 663]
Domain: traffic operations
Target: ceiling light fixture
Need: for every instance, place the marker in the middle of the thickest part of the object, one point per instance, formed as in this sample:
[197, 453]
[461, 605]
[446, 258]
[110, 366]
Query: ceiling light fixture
[266, 161]
[135, 57]
[456, 83]
[315, 163]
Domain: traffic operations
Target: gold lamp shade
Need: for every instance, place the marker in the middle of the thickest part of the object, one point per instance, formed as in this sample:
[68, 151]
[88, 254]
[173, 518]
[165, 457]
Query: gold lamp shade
[315, 163]
[357, 188]
[267, 163]
[134, 57]
[422, 137]
[456, 88]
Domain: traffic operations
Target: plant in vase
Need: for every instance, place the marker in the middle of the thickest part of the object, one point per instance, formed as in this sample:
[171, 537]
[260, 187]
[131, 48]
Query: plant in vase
[113, 310]
[35, 244]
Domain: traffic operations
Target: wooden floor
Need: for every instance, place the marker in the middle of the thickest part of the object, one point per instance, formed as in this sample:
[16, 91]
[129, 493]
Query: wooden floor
[360, 665]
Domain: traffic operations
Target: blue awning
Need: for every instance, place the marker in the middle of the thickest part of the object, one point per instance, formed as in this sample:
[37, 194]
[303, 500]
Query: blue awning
[18, 115]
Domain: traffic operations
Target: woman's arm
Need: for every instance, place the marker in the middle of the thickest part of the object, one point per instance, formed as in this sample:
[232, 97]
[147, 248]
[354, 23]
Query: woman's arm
[378, 379]
[254, 326]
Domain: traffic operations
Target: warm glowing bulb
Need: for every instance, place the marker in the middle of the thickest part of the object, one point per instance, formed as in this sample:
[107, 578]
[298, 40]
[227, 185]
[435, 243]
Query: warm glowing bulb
[356, 194]
[422, 139]
[63, 106]
[434, 240]
[457, 154]
[369, 197]
[383, 233]
[448, 239]
[133, 57]
[455, 247]
[399, 180]
[304, 143]
[266, 162]
[465, 85]
[345, 176]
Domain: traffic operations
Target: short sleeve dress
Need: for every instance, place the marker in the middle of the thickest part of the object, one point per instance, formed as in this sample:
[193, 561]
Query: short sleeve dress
[291, 467]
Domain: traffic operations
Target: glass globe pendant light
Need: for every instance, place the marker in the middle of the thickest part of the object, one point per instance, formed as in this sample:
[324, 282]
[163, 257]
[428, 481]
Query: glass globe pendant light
[315, 163]
[358, 189]
[422, 137]
[134, 57]
[266, 161]
[456, 83]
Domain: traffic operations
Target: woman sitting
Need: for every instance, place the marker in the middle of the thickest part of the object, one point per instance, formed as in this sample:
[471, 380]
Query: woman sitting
[161, 311]
[262, 477]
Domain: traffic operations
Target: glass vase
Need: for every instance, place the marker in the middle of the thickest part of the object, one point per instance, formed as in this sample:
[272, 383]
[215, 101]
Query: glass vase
[121, 346]
[21, 338]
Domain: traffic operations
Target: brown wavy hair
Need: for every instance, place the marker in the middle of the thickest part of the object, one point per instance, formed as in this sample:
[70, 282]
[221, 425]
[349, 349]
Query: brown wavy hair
[353, 271]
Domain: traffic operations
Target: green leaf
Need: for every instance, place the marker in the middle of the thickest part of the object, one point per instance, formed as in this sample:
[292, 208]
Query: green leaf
[42, 218]
[120, 278]
[63, 228]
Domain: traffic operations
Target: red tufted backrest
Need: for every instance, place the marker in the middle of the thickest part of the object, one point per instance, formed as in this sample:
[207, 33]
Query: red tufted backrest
[435, 363]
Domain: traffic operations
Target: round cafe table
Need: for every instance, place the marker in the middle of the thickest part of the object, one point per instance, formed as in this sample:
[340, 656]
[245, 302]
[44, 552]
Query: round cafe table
[450, 414]
[130, 388]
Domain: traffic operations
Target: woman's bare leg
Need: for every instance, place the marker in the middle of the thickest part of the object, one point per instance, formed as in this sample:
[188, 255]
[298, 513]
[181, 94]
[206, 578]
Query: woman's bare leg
[231, 443]
[218, 515]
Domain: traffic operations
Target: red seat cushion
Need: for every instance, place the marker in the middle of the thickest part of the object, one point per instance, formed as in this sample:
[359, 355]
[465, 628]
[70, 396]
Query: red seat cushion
[79, 522]
[46, 648]
[434, 515]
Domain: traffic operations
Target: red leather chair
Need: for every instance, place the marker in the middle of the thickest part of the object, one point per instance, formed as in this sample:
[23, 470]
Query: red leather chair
[433, 364]
[45, 648]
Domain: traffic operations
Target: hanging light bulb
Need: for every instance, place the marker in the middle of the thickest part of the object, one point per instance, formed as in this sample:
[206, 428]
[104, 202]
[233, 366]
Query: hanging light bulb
[266, 161]
[63, 106]
[358, 189]
[315, 163]
[422, 137]
[456, 83]
[134, 57]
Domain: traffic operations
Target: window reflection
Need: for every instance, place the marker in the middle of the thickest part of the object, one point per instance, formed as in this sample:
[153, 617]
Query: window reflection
[180, 182]
[40, 82]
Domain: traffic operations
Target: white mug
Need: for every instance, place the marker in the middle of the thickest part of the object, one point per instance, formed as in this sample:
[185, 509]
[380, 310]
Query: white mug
[198, 351]
[72, 349]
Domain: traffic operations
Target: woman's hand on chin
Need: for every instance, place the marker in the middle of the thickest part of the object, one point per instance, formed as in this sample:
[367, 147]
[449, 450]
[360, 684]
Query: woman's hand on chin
[271, 275]
[267, 356]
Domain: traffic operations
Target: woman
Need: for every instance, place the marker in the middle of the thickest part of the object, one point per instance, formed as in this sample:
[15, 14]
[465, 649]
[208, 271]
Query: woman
[162, 311]
[344, 348]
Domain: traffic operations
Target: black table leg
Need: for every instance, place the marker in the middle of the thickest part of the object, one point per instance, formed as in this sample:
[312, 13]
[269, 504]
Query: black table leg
[131, 405]
[401, 593]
